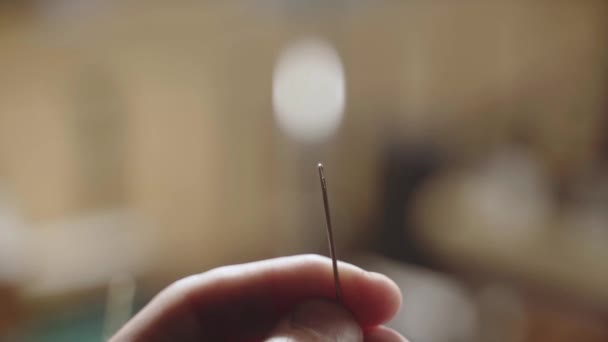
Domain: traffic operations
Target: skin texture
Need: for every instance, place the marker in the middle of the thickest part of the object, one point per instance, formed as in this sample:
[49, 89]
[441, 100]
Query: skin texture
[283, 299]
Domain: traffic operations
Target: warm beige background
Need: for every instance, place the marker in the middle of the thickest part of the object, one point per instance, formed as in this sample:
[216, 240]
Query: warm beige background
[199, 161]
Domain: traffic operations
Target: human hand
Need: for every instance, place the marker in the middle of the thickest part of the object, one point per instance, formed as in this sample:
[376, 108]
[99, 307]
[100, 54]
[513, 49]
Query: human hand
[283, 299]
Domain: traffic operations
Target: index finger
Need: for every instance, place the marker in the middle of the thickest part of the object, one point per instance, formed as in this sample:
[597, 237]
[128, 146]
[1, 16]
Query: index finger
[250, 298]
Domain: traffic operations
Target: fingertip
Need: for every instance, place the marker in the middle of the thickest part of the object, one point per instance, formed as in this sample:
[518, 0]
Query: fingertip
[393, 292]
[374, 298]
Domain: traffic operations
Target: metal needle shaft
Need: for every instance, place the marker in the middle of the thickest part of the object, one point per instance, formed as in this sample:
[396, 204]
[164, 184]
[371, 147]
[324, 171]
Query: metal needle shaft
[330, 234]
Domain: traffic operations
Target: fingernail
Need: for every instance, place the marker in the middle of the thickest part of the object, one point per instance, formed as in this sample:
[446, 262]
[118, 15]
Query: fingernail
[319, 320]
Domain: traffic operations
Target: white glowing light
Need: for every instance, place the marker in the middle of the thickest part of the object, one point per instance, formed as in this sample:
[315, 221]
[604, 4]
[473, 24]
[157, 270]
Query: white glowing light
[308, 90]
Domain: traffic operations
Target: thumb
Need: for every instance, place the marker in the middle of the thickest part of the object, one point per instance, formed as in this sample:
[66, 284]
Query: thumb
[318, 321]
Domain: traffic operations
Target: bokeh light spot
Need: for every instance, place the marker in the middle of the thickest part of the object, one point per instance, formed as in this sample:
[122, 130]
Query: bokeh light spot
[308, 90]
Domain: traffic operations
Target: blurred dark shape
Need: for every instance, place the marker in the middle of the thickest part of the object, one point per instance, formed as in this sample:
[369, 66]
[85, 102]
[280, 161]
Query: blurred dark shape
[406, 168]
[550, 323]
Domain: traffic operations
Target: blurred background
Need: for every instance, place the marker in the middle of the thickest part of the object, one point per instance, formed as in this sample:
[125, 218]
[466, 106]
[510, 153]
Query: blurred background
[465, 145]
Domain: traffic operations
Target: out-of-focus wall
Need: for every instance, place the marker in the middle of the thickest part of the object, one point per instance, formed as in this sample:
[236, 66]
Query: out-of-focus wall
[188, 140]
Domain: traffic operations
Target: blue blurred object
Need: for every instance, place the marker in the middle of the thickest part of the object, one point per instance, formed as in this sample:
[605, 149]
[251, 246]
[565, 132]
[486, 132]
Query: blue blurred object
[84, 323]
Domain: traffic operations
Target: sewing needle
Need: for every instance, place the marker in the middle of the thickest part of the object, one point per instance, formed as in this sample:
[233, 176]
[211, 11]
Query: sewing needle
[330, 234]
